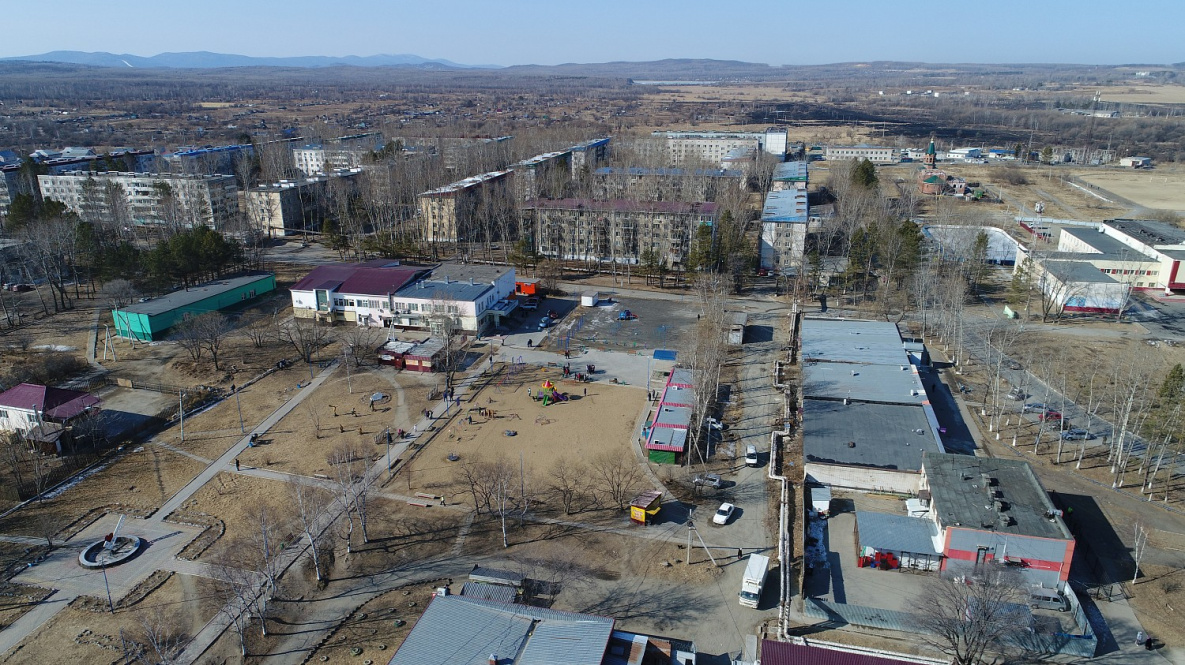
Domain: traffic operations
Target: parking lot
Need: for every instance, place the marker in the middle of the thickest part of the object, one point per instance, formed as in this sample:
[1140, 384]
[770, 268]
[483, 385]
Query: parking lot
[652, 324]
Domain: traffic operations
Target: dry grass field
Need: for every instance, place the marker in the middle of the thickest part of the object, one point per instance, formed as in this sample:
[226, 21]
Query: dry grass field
[1162, 189]
[1142, 94]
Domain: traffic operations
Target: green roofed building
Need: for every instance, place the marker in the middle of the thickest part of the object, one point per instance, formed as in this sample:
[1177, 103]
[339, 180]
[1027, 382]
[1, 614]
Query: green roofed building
[151, 318]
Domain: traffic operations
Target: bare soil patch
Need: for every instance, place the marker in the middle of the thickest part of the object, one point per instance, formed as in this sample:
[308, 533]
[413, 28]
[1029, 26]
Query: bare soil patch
[379, 626]
[1161, 188]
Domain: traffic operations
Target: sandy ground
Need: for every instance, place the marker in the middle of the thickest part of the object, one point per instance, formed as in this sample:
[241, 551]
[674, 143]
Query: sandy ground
[373, 628]
[580, 428]
[237, 500]
[75, 635]
[1160, 188]
[138, 480]
[294, 446]
[1143, 94]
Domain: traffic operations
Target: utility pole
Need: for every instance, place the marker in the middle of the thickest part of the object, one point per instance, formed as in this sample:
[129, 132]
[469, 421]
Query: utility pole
[346, 361]
[242, 430]
[181, 411]
[387, 432]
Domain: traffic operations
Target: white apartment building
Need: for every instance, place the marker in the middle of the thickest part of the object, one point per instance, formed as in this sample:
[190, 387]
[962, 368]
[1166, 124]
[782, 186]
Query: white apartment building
[714, 147]
[873, 153]
[343, 152]
[145, 198]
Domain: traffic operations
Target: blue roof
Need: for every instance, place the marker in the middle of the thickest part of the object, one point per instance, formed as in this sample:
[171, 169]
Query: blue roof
[787, 205]
[793, 171]
[457, 630]
[595, 143]
[896, 533]
[193, 152]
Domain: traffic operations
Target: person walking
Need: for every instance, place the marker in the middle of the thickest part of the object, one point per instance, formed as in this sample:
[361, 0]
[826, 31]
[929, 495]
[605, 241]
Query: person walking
[236, 464]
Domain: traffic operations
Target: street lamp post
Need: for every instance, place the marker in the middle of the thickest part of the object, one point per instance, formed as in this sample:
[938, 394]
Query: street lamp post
[388, 433]
[242, 430]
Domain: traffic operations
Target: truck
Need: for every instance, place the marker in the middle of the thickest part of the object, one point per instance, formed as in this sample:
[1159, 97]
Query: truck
[754, 580]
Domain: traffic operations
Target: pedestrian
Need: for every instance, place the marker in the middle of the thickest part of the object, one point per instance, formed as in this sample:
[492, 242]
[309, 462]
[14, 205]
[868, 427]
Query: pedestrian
[470, 417]
[458, 402]
[586, 392]
[415, 430]
[739, 553]
[528, 343]
[491, 361]
[236, 464]
[429, 414]
[442, 500]
[529, 393]
[1148, 643]
[1139, 637]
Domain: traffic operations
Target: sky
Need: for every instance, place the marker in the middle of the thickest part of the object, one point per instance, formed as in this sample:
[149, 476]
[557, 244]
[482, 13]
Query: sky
[512, 32]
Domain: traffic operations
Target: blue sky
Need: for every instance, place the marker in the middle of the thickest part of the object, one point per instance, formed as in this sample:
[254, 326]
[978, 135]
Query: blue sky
[507, 32]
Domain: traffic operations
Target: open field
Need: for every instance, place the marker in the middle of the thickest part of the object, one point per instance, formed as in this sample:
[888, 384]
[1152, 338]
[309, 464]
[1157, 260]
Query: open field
[1143, 94]
[237, 500]
[1162, 189]
[184, 603]
[581, 428]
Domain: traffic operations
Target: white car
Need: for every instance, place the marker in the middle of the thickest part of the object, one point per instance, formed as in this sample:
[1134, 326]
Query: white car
[712, 423]
[723, 514]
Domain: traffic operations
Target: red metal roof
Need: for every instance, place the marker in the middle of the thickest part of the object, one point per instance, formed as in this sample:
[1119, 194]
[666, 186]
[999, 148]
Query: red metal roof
[53, 403]
[357, 279]
[788, 653]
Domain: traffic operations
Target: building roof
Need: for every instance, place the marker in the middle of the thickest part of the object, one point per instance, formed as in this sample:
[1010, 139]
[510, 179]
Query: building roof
[788, 653]
[594, 143]
[624, 205]
[54, 403]
[682, 376]
[458, 630]
[463, 272]
[962, 487]
[496, 576]
[883, 436]
[898, 533]
[851, 341]
[357, 279]
[710, 135]
[467, 183]
[1106, 245]
[1079, 272]
[532, 162]
[1149, 231]
[441, 289]
[785, 205]
[193, 294]
[499, 593]
[678, 395]
[897, 384]
[669, 439]
[791, 172]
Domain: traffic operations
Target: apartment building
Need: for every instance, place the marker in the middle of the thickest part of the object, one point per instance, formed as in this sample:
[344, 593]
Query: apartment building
[664, 184]
[784, 220]
[715, 147]
[450, 213]
[207, 160]
[145, 198]
[293, 207]
[618, 231]
[339, 153]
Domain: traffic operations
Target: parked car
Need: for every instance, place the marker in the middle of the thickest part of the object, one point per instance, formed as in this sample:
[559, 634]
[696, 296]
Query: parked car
[713, 424]
[712, 480]
[1076, 435]
[1034, 407]
[1050, 416]
[552, 314]
[1012, 364]
[530, 304]
[751, 455]
[544, 322]
[626, 315]
[723, 513]
[1016, 394]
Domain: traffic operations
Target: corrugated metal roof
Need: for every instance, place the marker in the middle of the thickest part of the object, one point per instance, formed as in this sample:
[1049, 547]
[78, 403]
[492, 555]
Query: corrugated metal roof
[456, 630]
[897, 384]
[791, 171]
[786, 205]
[885, 436]
[897, 533]
[496, 592]
[193, 294]
[682, 377]
[852, 341]
[788, 653]
[668, 439]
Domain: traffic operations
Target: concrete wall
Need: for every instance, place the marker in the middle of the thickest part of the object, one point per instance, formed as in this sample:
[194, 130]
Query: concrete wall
[864, 478]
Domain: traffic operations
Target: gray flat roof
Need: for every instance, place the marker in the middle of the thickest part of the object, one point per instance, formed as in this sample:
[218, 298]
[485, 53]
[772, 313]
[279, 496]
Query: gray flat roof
[683, 376]
[463, 272]
[853, 341]
[960, 493]
[792, 171]
[886, 531]
[1077, 271]
[1149, 231]
[177, 299]
[867, 382]
[673, 415]
[438, 289]
[1105, 244]
[886, 436]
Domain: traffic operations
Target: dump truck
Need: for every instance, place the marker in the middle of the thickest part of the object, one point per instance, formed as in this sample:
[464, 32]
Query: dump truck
[754, 580]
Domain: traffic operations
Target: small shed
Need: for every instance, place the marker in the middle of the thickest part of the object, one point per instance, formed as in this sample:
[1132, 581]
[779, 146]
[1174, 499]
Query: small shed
[590, 298]
[821, 500]
[496, 576]
[411, 355]
[645, 507]
[736, 330]
[526, 287]
[496, 592]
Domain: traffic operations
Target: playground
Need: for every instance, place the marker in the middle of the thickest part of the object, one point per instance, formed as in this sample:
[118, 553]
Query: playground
[503, 421]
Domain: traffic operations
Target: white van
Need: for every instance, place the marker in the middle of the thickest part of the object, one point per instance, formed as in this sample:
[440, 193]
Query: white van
[751, 455]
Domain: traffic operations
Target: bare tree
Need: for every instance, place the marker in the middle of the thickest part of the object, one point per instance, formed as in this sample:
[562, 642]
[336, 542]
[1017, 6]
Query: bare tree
[259, 331]
[188, 336]
[160, 637]
[969, 619]
[1139, 546]
[310, 504]
[310, 407]
[619, 478]
[567, 481]
[360, 342]
[211, 329]
[306, 337]
[350, 464]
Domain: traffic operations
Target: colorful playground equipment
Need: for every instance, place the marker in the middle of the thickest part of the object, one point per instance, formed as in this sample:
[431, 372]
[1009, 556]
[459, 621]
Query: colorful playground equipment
[549, 394]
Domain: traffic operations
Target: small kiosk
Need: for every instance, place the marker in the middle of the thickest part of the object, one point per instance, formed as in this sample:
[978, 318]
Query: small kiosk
[644, 508]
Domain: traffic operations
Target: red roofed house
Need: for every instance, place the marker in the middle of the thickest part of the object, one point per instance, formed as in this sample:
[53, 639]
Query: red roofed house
[789, 653]
[40, 412]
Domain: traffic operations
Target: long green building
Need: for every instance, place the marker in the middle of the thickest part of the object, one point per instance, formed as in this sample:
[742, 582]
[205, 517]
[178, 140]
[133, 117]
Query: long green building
[151, 318]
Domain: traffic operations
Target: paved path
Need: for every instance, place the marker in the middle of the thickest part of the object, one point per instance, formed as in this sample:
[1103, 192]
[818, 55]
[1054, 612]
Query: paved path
[30, 621]
[181, 451]
[228, 457]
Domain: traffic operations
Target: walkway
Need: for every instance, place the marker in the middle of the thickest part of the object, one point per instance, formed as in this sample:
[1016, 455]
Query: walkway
[228, 457]
[30, 621]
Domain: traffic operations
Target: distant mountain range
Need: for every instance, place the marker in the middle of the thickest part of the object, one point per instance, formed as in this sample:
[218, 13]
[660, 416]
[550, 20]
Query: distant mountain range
[208, 60]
